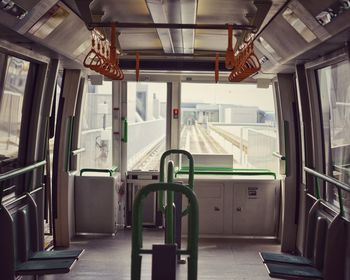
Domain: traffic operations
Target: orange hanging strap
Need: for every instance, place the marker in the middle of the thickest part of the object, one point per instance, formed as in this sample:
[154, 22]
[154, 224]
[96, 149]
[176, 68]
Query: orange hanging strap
[217, 60]
[230, 54]
[137, 66]
[113, 47]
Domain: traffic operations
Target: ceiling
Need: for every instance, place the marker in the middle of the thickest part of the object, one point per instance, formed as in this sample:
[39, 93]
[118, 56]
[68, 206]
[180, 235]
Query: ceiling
[191, 49]
[175, 41]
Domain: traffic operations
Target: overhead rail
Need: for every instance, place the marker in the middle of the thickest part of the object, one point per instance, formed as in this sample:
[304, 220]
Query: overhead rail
[146, 25]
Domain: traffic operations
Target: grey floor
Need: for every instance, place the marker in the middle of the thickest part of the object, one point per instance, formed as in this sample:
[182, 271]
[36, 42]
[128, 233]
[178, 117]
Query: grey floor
[229, 259]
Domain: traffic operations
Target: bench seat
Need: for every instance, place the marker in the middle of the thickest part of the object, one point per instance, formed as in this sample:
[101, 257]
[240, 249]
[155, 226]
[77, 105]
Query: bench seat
[287, 271]
[284, 258]
[60, 254]
[41, 267]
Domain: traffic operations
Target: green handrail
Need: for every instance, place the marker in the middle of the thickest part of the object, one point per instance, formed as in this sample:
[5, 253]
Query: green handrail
[227, 171]
[125, 130]
[193, 230]
[338, 184]
[111, 170]
[16, 172]
[162, 172]
[19, 171]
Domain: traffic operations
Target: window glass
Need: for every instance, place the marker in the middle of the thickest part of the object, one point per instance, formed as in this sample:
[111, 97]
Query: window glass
[146, 124]
[334, 89]
[96, 127]
[11, 106]
[229, 125]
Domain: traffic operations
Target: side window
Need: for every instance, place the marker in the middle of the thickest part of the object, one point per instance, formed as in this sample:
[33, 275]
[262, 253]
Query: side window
[11, 106]
[229, 126]
[334, 90]
[96, 126]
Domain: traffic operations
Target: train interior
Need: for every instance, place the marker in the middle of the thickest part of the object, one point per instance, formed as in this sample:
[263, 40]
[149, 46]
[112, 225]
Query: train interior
[174, 139]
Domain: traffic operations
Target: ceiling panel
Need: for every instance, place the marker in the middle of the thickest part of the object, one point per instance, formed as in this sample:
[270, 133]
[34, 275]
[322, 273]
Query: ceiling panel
[215, 40]
[224, 11]
[122, 10]
[145, 39]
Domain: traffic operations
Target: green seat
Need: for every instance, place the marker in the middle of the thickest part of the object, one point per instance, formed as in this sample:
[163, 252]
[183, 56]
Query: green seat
[61, 254]
[293, 271]
[284, 258]
[40, 267]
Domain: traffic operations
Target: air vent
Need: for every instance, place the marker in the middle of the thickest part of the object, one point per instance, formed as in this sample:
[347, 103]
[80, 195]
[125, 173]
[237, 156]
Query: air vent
[13, 9]
[298, 25]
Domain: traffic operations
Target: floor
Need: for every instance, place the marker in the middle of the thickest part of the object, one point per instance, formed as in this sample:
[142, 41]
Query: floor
[109, 258]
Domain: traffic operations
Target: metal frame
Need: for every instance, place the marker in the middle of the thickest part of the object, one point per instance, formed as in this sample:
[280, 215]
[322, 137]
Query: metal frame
[193, 229]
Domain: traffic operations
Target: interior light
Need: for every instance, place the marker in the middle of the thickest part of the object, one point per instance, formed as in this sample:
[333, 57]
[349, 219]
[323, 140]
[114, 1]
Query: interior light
[268, 47]
[82, 48]
[298, 25]
[49, 22]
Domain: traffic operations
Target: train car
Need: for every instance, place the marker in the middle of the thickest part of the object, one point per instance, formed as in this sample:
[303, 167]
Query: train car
[217, 131]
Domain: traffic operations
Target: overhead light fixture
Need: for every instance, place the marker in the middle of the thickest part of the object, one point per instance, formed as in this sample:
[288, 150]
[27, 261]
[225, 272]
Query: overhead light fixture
[298, 25]
[49, 22]
[269, 48]
[82, 48]
[13, 9]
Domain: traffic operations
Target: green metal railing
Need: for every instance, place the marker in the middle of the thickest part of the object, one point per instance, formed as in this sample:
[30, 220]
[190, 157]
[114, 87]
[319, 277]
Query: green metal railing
[111, 170]
[162, 173]
[339, 185]
[193, 231]
[227, 171]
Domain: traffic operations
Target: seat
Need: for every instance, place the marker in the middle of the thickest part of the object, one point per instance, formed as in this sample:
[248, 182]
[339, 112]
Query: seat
[29, 217]
[18, 243]
[323, 254]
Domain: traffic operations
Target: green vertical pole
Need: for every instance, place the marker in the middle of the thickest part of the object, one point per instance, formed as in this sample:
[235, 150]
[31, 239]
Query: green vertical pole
[169, 213]
[136, 259]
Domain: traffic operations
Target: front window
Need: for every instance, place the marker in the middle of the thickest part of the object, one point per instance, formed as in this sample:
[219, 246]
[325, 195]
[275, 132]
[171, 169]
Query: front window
[229, 125]
[146, 124]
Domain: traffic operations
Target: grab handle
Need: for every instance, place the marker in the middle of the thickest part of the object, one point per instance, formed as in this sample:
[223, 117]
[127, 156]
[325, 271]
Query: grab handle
[125, 130]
